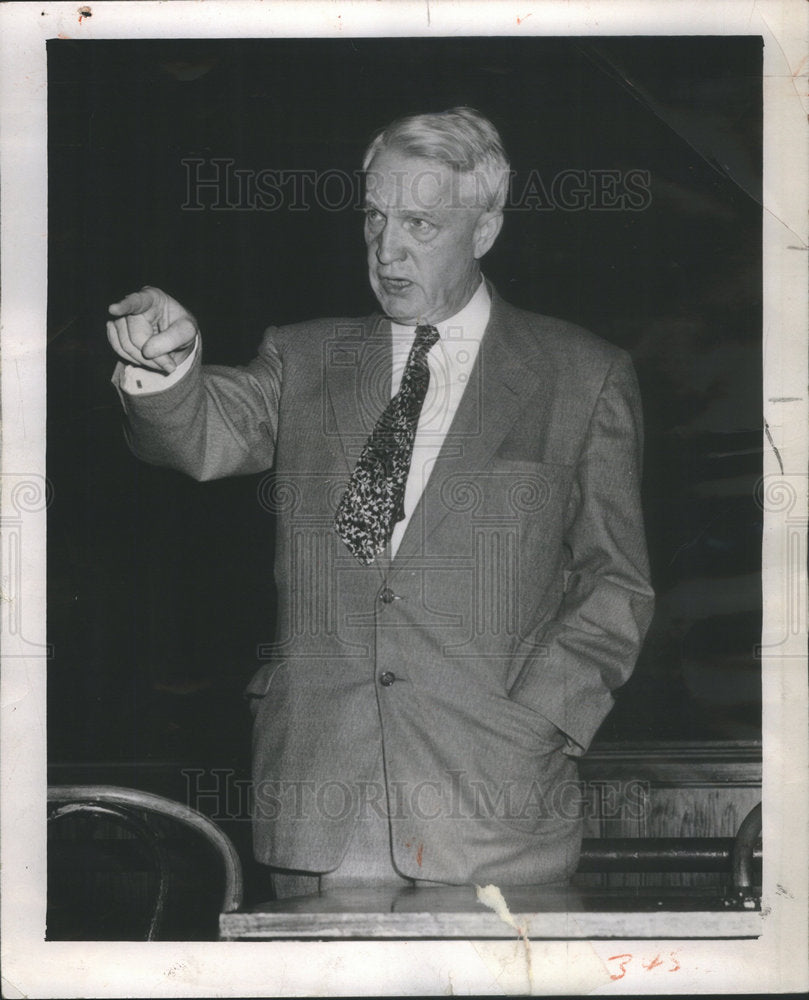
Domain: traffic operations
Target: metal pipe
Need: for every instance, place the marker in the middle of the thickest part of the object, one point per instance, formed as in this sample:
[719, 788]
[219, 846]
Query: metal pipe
[744, 849]
[658, 854]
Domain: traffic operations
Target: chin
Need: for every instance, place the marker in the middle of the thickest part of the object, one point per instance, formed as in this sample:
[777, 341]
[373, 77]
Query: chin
[398, 311]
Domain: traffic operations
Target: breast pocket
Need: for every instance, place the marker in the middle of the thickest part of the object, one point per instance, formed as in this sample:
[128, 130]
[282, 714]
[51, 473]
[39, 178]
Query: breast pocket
[509, 490]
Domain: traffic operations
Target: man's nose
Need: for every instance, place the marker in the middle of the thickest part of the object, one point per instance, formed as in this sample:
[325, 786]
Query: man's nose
[389, 244]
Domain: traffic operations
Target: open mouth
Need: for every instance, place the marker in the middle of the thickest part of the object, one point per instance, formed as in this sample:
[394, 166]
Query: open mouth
[395, 284]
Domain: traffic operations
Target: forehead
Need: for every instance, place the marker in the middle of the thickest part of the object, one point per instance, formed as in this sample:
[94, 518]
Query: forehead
[396, 180]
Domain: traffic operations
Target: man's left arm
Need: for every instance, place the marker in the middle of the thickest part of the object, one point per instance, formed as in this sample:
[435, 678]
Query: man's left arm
[576, 660]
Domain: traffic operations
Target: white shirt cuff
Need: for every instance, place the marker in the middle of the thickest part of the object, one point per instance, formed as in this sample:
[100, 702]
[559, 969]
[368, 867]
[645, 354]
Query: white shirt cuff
[137, 381]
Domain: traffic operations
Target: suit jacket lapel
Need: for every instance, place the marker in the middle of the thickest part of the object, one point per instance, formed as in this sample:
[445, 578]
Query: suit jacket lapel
[358, 365]
[499, 388]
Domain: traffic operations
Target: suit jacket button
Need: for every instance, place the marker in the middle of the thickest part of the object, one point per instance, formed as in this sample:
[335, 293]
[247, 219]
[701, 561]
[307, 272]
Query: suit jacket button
[387, 679]
[387, 596]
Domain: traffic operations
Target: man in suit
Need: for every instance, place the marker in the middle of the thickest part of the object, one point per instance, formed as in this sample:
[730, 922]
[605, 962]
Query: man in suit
[460, 556]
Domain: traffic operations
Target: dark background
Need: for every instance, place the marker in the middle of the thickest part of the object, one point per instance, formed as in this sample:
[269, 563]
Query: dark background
[160, 588]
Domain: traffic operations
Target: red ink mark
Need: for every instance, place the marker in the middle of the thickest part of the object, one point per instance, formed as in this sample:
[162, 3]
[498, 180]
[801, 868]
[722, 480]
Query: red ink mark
[407, 843]
[626, 960]
[85, 12]
[654, 963]
[62, 35]
[521, 19]
[419, 854]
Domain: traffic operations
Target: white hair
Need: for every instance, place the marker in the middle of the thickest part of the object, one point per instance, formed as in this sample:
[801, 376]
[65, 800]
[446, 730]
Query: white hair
[462, 139]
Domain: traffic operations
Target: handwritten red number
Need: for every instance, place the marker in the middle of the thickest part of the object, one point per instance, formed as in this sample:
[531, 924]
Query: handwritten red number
[624, 963]
[654, 963]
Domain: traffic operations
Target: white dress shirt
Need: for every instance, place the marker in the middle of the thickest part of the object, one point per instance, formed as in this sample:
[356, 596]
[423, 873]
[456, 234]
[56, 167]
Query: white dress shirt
[450, 362]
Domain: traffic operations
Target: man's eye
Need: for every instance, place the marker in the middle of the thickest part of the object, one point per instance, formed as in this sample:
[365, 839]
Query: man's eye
[372, 215]
[420, 227]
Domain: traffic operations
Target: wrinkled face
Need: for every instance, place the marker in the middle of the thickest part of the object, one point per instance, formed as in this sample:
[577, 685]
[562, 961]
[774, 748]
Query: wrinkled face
[425, 235]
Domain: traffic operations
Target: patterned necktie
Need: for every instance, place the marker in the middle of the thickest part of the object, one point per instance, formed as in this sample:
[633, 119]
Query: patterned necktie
[374, 498]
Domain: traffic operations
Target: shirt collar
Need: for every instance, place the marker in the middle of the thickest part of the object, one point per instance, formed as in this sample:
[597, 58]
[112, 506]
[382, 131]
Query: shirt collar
[467, 324]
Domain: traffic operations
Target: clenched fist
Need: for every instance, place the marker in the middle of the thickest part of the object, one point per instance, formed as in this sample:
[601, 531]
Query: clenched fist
[151, 330]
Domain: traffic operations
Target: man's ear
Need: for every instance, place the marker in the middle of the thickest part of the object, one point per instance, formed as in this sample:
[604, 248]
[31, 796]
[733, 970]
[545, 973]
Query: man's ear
[487, 229]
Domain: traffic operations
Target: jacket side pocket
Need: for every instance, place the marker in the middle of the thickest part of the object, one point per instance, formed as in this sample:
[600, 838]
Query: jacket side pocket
[260, 684]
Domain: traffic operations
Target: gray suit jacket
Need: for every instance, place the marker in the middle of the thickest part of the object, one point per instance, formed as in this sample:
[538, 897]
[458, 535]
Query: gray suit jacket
[471, 668]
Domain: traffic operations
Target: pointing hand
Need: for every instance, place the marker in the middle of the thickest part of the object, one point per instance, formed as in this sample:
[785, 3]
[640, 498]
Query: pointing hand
[151, 330]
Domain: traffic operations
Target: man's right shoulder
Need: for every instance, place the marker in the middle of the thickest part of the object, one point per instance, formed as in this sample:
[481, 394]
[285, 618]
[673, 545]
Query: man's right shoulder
[314, 333]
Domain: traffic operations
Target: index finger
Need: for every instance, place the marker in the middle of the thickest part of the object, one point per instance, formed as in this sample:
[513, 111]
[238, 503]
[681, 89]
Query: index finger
[134, 304]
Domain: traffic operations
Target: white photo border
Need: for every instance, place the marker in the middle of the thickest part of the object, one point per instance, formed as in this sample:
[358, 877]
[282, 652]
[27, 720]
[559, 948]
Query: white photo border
[773, 963]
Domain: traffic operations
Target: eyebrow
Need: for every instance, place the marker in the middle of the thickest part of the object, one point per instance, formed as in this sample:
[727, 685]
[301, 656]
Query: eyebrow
[429, 214]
